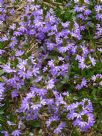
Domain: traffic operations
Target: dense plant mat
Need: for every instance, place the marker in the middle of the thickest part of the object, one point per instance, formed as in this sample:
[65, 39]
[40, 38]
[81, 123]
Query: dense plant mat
[50, 68]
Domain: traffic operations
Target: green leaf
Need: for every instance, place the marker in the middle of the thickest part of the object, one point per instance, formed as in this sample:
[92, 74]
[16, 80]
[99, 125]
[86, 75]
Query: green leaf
[1, 72]
[1, 112]
[36, 124]
[101, 102]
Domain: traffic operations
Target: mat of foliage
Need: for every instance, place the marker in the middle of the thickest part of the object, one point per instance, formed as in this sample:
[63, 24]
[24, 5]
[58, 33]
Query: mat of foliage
[51, 68]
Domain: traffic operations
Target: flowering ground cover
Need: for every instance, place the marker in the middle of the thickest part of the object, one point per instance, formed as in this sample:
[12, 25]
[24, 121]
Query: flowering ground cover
[51, 68]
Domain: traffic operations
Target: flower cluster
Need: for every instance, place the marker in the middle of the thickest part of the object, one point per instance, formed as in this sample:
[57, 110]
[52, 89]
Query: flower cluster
[84, 119]
[45, 63]
[2, 89]
[57, 109]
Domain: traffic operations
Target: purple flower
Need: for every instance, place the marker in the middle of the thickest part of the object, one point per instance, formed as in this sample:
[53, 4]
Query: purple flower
[13, 26]
[81, 61]
[19, 53]
[93, 78]
[84, 82]
[78, 87]
[13, 0]
[7, 68]
[87, 1]
[1, 52]
[1, 2]
[50, 84]
[82, 28]
[87, 12]
[84, 125]
[61, 59]
[35, 71]
[14, 82]
[20, 124]
[85, 50]
[22, 29]
[22, 64]
[50, 46]
[79, 9]
[63, 49]
[65, 25]
[87, 105]
[14, 94]
[49, 101]
[98, 8]
[24, 105]
[29, 74]
[39, 92]
[43, 101]
[16, 133]
[52, 119]
[54, 70]
[13, 42]
[10, 123]
[59, 100]
[4, 38]
[51, 63]
[12, 11]
[93, 61]
[99, 16]
[39, 78]
[2, 89]
[5, 133]
[59, 128]
[99, 30]
[22, 74]
[65, 93]
[64, 69]
[36, 107]
[17, 33]
[81, 16]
